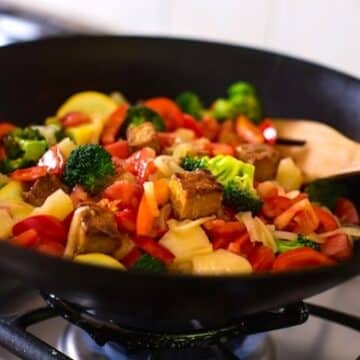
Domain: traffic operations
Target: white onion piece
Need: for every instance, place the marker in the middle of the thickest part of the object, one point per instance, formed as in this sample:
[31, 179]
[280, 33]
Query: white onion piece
[285, 235]
[149, 192]
[248, 221]
[265, 235]
[187, 224]
[292, 194]
[353, 231]
[167, 165]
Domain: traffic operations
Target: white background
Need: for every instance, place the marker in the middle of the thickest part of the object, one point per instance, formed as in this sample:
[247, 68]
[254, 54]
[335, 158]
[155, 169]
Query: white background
[325, 31]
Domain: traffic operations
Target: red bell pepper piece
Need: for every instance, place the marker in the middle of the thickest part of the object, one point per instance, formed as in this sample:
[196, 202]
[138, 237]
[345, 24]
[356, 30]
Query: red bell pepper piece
[51, 248]
[210, 127]
[119, 149]
[327, 221]
[128, 193]
[168, 110]
[49, 228]
[268, 131]
[261, 258]
[273, 206]
[241, 246]
[166, 139]
[248, 131]
[27, 239]
[221, 149]
[113, 124]
[346, 211]
[221, 242]
[220, 228]
[53, 160]
[154, 249]
[300, 258]
[74, 118]
[189, 122]
[29, 174]
[131, 258]
[141, 164]
[227, 134]
[126, 220]
[337, 247]
[6, 128]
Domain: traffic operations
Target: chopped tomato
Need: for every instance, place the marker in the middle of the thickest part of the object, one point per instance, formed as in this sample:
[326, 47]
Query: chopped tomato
[221, 242]
[131, 258]
[126, 220]
[49, 228]
[154, 249]
[119, 149]
[6, 128]
[261, 258]
[227, 134]
[268, 131]
[145, 218]
[168, 110]
[75, 118]
[189, 122]
[141, 164]
[274, 205]
[221, 228]
[300, 258]
[52, 248]
[79, 195]
[337, 247]
[221, 149]
[346, 211]
[327, 221]
[166, 139]
[113, 124]
[128, 193]
[29, 174]
[248, 131]
[241, 246]
[27, 239]
[53, 160]
[210, 127]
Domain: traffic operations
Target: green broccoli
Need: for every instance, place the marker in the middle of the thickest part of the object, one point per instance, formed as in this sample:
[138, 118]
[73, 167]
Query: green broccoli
[23, 147]
[301, 241]
[223, 109]
[190, 103]
[326, 192]
[235, 176]
[137, 115]
[90, 166]
[148, 263]
[241, 88]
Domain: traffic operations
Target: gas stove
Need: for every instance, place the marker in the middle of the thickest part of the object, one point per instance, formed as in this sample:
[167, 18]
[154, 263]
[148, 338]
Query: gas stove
[74, 335]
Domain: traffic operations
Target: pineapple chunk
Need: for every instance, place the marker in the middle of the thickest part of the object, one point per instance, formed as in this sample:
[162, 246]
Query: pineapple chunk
[17, 209]
[66, 146]
[82, 134]
[11, 191]
[7, 224]
[98, 259]
[220, 262]
[58, 204]
[289, 175]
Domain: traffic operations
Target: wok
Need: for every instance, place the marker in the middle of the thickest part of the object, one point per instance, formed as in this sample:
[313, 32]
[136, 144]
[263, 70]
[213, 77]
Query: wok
[38, 76]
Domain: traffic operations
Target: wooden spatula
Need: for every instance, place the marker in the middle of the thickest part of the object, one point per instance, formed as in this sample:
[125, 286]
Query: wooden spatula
[327, 152]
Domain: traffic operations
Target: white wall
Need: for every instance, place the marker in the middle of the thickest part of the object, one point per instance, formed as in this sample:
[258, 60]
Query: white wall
[324, 31]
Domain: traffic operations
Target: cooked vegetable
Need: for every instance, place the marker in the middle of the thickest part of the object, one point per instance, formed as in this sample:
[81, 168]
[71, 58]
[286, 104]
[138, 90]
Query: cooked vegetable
[98, 259]
[89, 166]
[190, 103]
[223, 109]
[23, 147]
[142, 135]
[289, 175]
[11, 191]
[149, 263]
[301, 241]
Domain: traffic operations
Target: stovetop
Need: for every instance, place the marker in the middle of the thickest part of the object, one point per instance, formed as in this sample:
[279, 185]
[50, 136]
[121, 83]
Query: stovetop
[315, 339]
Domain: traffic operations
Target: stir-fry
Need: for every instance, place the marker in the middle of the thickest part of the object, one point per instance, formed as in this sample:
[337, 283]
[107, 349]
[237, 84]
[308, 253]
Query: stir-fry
[168, 185]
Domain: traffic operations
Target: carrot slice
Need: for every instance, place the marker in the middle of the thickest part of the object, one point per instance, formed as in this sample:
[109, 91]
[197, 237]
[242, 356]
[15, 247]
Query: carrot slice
[145, 218]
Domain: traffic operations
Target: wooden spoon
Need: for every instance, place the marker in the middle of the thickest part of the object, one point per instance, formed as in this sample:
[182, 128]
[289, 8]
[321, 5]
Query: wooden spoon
[327, 152]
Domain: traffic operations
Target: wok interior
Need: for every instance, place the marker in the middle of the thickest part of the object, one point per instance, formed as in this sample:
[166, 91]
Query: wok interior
[144, 67]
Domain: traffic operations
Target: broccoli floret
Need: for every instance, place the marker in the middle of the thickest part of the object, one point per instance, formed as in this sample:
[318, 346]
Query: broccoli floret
[326, 192]
[137, 115]
[300, 241]
[90, 166]
[223, 109]
[148, 263]
[192, 163]
[190, 103]
[235, 176]
[23, 147]
[241, 88]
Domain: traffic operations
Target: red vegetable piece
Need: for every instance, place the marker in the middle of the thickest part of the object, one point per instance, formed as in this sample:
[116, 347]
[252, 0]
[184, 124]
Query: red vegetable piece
[189, 122]
[300, 258]
[79, 195]
[337, 247]
[128, 193]
[261, 258]
[119, 149]
[221, 228]
[53, 160]
[268, 131]
[131, 258]
[29, 174]
[6, 128]
[346, 211]
[126, 220]
[154, 249]
[241, 246]
[273, 206]
[52, 248]
[49, 228]
[27, 239]
[141, 164]
[74, 118]
[248, 131]
[113, 124]
[168, 110]
[221, 242]
[166, 139]
[327, 221]
[221, 149]
[210, 127]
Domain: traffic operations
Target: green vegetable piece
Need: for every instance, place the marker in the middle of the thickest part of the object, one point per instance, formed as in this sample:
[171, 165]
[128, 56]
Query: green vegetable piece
[301, 241]
[190, 103]
[223, 109]
[241, 88]
[139, 114]
[23, 147]
[326, 192]
[192, 163]
[248, 106]
[149, 264]
[90, 166]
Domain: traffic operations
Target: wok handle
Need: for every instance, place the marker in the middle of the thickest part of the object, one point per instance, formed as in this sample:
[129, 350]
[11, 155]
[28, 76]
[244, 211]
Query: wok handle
[338, 317]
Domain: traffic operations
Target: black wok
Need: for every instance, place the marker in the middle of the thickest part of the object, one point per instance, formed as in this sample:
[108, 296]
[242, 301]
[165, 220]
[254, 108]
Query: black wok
[37, 77]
